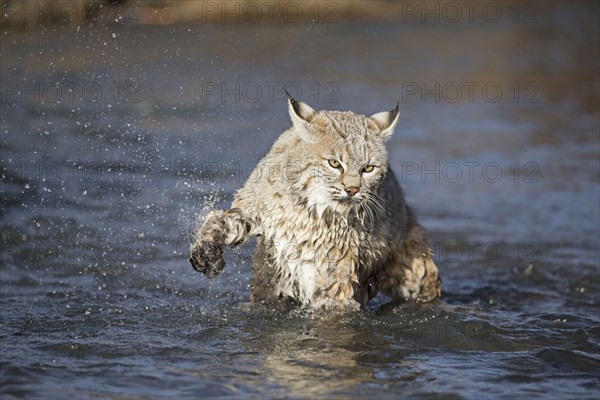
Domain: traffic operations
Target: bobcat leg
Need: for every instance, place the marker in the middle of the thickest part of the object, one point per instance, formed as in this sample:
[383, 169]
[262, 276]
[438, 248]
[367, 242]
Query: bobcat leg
[220, 229]
[411, 274]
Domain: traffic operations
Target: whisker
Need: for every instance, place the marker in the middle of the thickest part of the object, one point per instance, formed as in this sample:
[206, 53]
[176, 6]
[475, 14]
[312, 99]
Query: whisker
[373, 202]
[369, 211]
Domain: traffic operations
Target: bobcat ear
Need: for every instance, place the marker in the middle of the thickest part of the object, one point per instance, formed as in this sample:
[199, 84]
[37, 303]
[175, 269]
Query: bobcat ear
[386, 121]
[301, 113]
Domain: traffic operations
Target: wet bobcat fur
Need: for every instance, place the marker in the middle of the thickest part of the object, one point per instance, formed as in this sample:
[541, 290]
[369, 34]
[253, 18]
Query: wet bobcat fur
[332, 224]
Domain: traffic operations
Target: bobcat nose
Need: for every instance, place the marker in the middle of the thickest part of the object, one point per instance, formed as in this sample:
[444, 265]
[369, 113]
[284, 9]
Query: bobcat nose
[351, 191]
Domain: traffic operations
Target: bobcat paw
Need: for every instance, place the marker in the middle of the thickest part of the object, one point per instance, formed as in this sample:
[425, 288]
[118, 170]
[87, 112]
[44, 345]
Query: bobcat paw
[207, 257]
[413, 288]
[431, 289]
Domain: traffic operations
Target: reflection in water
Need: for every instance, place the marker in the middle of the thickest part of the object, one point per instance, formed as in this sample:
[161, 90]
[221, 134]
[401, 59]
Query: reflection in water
[316, 358]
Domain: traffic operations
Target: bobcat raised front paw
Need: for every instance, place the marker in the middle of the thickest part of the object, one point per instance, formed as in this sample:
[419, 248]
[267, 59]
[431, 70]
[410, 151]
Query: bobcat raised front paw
[207, 257]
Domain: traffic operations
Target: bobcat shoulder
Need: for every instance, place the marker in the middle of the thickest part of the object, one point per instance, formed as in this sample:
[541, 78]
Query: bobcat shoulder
[333, 223]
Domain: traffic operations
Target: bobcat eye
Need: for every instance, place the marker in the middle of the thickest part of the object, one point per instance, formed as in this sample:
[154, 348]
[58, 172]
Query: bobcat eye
[368, 168]
[334, 164]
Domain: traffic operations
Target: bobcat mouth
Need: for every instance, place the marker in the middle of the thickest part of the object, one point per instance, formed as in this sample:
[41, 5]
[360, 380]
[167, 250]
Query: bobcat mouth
[347, 200]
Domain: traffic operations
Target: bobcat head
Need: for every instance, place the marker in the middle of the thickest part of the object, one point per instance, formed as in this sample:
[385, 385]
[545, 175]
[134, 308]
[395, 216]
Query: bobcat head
[346, 155]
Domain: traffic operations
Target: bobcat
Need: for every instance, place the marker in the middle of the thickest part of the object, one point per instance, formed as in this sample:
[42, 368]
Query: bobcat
[332, 224]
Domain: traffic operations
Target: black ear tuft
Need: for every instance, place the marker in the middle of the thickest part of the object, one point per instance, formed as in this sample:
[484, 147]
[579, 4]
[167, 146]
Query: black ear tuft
[295, 104]
[394, 114]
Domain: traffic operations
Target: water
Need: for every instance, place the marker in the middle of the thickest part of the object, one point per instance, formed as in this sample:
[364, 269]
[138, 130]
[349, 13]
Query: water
[116, 138]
